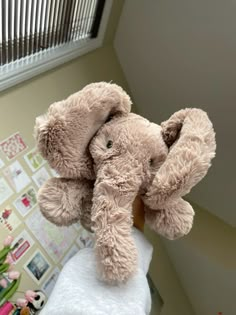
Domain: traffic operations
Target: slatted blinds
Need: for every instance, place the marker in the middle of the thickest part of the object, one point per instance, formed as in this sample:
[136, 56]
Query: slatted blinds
[28, 27]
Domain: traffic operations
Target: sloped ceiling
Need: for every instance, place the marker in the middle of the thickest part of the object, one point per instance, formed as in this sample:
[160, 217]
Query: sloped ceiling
[182, 53]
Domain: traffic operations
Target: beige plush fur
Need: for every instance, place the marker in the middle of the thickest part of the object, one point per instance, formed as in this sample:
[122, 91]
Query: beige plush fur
[106, 156]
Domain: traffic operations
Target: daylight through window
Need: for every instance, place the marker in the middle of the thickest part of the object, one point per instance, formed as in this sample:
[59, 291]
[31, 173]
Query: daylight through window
[29, 27]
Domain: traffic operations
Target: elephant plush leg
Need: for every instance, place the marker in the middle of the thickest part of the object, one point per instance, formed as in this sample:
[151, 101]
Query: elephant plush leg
[173, 220]
[66, 201]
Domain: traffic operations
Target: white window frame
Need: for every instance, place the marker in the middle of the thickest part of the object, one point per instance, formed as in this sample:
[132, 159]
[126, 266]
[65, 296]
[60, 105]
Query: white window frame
[29, 67]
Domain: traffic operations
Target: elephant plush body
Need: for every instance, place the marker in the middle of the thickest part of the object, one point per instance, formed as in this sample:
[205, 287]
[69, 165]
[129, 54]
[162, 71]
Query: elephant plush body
[106, 156]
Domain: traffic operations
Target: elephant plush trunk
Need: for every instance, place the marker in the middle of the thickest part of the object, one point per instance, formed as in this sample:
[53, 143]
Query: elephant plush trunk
[112, 220]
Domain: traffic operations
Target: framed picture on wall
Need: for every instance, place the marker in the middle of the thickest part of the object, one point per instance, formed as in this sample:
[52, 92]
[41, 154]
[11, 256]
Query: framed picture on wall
[8, 219]
[24, 243]
[1, 163]
[13, 145]
[37, 266]
[16, 176]
[41, 176]
[34, 159]
[74, 250]
[26, 202]
[85, 239]
[50, 282]
[5, 190]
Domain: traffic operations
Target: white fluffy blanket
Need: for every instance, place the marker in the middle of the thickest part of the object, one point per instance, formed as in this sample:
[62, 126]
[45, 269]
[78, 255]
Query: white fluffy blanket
[79, 292]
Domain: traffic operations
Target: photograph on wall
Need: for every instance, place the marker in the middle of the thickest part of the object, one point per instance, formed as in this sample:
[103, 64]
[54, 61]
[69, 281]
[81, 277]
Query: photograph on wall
[26, 202]
[1, 163]
[85, 239]
[41, 176]
[34, 159]
[49, 284]
[55, 240]
[37, 266]
[77, 226]
[23, 243]
[8, 219]
[72, 251]
[54, 173]
[13, 145]
[5, 190]
[16, 176]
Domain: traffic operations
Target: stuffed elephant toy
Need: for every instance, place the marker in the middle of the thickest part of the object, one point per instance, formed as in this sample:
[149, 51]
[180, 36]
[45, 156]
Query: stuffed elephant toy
[106, 156]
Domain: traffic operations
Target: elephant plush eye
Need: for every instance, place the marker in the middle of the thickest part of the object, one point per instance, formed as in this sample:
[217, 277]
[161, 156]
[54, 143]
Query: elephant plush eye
[109, 118]
[109, 144]
[151, 162]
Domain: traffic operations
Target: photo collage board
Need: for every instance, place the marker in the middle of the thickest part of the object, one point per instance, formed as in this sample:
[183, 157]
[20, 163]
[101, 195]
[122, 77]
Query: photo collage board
[42, 248]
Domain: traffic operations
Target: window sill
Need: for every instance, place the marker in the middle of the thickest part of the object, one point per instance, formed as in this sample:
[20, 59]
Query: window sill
[31, 66]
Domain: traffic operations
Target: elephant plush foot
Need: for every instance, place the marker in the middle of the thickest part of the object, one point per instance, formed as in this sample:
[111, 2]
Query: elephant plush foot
[173, 221]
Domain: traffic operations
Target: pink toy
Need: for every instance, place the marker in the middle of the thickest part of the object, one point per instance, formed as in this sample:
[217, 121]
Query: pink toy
[6, 308]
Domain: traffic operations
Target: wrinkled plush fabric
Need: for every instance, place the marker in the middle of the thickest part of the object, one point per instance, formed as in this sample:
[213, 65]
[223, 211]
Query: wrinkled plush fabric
[79, 292]
[106, 156]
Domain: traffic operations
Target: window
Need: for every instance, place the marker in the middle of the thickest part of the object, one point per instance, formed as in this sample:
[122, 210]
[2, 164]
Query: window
[36, 35]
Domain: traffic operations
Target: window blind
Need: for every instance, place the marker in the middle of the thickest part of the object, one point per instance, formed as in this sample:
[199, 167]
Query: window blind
[29, 27]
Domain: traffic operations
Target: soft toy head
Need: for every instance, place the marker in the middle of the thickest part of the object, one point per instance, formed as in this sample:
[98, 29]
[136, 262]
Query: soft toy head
[38, 302]
[131, 147]
[63, 134]
[92, 136]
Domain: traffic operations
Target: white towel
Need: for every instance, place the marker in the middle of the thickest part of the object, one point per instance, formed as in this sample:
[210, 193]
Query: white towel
[79, 292]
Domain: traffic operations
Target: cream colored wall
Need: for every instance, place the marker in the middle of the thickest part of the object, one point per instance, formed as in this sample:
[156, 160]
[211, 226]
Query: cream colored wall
[166, 280]
[205, 261]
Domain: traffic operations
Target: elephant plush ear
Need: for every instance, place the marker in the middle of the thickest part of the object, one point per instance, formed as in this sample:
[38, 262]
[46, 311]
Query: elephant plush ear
[64, 132]
[190, 137]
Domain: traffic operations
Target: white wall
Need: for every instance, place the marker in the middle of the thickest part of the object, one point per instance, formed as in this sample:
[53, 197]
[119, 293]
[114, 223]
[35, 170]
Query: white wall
[183, 53]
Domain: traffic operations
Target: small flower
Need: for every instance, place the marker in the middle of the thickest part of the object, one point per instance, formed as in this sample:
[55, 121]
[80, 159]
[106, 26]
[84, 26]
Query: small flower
[13, 275]
[9, 260]
[21, 302]
[10, 268]
[8, 240]
[30, 295]
[3, 283]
